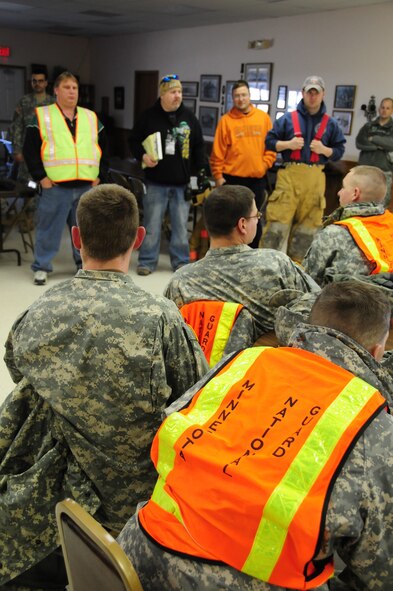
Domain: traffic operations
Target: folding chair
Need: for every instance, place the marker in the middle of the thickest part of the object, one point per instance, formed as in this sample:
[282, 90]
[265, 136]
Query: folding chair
[93, 558]
[133, 184]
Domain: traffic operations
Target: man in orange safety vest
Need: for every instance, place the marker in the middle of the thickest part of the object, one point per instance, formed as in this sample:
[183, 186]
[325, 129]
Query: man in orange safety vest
[277, 460]
[357, 239]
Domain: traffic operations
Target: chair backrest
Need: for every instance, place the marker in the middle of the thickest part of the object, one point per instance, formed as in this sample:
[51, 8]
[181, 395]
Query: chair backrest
[93, 559]
[212, 322]
[133, 184]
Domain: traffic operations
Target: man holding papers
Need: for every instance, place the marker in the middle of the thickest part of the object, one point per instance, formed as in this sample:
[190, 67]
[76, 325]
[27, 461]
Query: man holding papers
[168, 140]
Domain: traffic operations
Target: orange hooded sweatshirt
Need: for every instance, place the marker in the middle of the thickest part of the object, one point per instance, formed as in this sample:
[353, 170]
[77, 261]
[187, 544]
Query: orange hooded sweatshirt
[239, 145]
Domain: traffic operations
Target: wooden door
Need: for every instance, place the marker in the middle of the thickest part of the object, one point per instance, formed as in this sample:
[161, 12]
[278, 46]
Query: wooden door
[146, 91]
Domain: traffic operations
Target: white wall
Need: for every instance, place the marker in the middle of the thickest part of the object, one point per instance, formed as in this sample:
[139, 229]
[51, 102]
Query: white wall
[345, 47]
[52, 50]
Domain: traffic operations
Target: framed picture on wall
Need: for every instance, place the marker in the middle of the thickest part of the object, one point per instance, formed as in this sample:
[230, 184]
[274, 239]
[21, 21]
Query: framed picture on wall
[208, 117]
[259, 78]
[344, 97]
[282, 94]
[263, 107]
[210, 88]
[228, 100]
[344, 119]
[190, 103]
[119, 97]
[190, 89]
[294, 97]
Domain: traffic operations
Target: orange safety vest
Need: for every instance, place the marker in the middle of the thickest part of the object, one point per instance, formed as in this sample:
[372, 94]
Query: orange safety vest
[64, 157]
[245, 471]
[374, 237]
[296, 154]
[212, 322]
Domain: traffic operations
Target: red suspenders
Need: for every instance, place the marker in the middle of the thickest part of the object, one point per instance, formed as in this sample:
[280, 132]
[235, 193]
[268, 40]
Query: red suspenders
[321, 130]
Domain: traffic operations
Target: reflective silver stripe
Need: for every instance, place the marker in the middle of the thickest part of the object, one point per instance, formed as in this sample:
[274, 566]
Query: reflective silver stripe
[93, 126]
[49, 132]
[72, 161]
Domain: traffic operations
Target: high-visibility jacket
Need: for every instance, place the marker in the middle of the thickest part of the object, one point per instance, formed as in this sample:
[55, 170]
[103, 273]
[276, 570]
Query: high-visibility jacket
[246, 470]
[212, 322]
[374, 237]
[66, 158]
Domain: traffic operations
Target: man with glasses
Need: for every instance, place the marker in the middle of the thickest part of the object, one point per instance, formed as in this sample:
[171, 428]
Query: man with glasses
[231, 271]
[23, 115]
[181, 142]
[239, 156]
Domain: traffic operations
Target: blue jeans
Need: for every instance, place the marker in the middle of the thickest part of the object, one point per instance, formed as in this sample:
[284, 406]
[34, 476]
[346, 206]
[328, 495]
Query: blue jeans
[157, 200]
[56, 207]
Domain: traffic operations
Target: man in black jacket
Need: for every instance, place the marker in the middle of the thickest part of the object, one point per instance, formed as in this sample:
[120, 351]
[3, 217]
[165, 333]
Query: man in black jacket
[167, 177]
[375, 142]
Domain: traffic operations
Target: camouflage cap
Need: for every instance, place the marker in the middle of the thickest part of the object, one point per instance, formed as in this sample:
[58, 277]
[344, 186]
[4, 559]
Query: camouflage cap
[313, 82]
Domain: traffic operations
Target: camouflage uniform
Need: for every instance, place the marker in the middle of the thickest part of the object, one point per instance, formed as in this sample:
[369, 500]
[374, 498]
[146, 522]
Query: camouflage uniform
[334, 251]
[243, 275]
[100, 360]
[375, 142]
[24, 112]
[359, 520]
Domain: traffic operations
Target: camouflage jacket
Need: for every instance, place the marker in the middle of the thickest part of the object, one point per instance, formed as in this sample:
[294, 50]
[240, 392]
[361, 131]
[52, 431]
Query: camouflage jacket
[375, 141]
[359, 517]
[334, 251]
[23, 114]
[240, 274]
[98, 360]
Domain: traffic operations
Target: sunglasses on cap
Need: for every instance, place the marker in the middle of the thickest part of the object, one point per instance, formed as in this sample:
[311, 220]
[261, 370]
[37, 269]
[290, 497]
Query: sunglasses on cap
[169, 78]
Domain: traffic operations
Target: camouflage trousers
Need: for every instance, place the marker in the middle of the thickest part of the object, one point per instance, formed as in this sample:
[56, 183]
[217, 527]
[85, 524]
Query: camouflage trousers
[294, 209]
[159, 570]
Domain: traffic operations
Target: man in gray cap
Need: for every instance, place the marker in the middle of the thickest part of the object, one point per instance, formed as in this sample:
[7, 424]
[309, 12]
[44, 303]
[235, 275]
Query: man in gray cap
[307, 139]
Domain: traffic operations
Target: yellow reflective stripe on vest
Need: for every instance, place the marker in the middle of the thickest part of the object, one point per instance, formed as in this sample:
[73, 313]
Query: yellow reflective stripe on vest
[368, 240]
[93, 128]
[227, 318]
[285, 500]
[49, 131]
[64, 161]
[176, 424]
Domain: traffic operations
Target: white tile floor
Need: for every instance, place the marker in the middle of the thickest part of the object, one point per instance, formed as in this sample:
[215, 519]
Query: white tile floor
[17, 291]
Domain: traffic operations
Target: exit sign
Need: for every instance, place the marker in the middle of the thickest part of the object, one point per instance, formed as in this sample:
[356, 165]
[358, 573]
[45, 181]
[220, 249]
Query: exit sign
[5, 51]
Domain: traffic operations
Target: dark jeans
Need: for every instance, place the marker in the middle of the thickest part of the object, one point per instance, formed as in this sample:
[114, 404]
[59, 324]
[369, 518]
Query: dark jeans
[258, 187]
